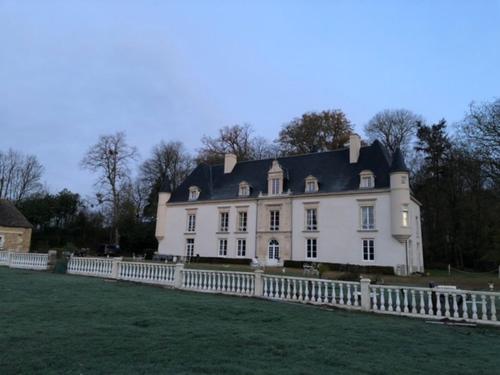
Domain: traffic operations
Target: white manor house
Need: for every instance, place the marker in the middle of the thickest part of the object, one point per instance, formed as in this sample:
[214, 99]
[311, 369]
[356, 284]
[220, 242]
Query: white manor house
[348, 206]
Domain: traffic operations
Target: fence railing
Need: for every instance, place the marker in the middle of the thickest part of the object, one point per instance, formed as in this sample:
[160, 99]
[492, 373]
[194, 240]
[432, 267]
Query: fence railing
[428, 303]
[152, 273]
[435, 303]
[30, 261]
[242, 283]
[317, 291]
[100, 267]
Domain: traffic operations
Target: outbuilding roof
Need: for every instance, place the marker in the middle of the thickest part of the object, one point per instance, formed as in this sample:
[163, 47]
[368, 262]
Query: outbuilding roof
[10, 216]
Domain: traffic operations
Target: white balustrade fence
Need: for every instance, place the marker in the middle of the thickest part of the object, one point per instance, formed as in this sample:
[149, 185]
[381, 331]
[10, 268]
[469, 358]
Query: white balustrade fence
[435, 303]
[29, 261]
[151, 273]
[242, 283]
[428, 303]
[318, 291]
[4, 258]
[100, 267]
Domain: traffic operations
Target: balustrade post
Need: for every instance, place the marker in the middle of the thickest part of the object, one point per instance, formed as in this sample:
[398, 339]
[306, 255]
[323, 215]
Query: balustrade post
[365, 294]
[9, 258]
[51, 260]
[115, 268]
[178, 275]
[258, 283]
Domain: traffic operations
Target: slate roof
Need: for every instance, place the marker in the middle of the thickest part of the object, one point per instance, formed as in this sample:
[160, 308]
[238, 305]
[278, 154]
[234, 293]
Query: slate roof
[398, 162]
[11, 217]
[332, 169]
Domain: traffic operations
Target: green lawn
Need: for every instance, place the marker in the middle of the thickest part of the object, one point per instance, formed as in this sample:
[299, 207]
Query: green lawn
[60, 324]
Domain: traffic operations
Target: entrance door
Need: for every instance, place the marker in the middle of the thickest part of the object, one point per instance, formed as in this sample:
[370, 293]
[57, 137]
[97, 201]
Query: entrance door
[273, 253]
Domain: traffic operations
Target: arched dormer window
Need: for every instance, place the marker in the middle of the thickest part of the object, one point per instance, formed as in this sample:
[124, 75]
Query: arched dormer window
[311, 184]
[244, 189]
[194, 193]
[366, 180]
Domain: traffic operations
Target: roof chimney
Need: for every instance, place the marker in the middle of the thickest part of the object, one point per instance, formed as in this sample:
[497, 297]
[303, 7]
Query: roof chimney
[230, 161]
[354, 147]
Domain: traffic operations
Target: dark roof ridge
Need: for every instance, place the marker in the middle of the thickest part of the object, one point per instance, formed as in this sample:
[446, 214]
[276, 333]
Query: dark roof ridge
[289, 156]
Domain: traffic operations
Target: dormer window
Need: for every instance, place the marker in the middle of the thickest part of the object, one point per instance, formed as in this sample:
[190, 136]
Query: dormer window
[244, 190]
[311, 184]
[366, 180]
[194, 193]
[275, 178]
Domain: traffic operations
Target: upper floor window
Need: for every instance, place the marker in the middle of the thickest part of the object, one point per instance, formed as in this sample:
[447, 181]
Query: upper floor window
[224, 221]
[367, 217]
[311, 219]
[242, 221]
[191, 222]
[275, 186]
[366, 180]
[194, 193]
[405, 216]
[311, 184]
[244, 190]
[274, 220]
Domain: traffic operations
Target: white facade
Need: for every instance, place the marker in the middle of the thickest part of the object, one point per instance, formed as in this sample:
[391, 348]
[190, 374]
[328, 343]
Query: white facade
[339, 234]
[368, 226]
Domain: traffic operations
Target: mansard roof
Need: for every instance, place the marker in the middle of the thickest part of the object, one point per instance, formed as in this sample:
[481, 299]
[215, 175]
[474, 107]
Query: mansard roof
[398, 162]
[332, 169]
[10, 216]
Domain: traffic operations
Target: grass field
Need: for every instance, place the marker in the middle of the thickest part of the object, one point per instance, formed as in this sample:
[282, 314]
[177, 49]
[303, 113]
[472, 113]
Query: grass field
[61, 324]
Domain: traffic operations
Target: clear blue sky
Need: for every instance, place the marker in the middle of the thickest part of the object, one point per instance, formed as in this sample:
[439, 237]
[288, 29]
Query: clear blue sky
[175, 70]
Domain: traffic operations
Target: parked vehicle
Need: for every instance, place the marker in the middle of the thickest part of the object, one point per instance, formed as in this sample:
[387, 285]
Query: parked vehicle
[109, 249]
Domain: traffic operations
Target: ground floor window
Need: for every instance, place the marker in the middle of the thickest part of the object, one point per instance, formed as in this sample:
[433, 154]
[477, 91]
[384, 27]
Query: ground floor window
[311, 248]
[274, 250]
[223, 247]
[369, 249]
[190, 247]
[1, 242]
[242, 247]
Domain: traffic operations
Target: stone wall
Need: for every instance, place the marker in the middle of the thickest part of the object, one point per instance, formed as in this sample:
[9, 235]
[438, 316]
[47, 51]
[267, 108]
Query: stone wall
[16, 239]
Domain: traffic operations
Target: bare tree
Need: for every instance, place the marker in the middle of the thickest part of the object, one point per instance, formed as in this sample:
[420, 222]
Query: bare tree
[236, 139]
[19, 175]
[481, 130]
[394, 128]
[110, 157]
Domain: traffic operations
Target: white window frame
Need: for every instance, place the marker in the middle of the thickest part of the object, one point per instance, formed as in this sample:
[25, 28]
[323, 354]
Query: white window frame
[2, 241]
[222, 248]
[311, 220]
[369, 225]
[274, 220]
[242, 221]
[241, 247]
[366, 180]
[189, 247]
[223, 221]
[275, 185]
[194, 193]
[191, 222]
[311, 248]
[244, 190]
[311, 184]
[368, 243]
[405, 216]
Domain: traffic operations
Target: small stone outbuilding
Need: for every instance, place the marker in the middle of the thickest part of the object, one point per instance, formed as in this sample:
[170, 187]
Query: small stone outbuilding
[15, 229]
